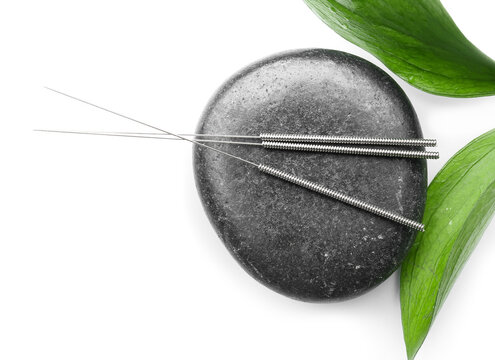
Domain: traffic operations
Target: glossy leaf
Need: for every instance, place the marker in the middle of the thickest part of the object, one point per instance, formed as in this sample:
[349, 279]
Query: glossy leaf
[416, 39]
[460, 203]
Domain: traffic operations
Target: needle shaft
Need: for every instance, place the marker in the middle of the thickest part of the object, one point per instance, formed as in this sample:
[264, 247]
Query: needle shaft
[152, 127]
[137, 135]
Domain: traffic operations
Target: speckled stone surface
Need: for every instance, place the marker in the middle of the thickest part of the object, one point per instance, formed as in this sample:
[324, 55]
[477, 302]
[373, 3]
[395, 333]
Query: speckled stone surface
[296, 242]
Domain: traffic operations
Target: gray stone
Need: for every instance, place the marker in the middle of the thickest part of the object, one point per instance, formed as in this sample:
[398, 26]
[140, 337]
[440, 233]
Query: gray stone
[296, 242]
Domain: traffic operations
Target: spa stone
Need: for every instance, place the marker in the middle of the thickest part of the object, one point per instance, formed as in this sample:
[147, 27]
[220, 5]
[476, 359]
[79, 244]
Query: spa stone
[297, 242]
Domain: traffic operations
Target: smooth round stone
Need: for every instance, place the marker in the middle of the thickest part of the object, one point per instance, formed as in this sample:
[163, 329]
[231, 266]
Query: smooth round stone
[296, 242]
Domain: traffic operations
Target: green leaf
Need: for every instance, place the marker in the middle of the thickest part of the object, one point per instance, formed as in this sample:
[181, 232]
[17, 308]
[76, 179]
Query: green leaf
[416, 39]
[460, 203]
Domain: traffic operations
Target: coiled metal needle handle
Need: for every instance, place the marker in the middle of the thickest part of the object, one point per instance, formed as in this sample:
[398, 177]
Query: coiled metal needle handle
[356, 140]
[350, 150]
[341, 197]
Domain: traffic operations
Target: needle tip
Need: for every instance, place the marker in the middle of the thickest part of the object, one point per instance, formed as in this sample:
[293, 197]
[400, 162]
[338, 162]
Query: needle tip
[49, 88]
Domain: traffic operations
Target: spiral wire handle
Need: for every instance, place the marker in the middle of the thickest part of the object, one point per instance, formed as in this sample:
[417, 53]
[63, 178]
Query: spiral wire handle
[356, 140]
[341, 197]
[350, 150]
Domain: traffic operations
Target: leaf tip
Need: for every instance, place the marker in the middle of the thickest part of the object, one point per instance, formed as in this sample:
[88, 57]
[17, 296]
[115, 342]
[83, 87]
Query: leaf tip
[411, 352]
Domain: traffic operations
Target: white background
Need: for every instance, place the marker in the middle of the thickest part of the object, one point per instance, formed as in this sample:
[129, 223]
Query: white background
[105, 251]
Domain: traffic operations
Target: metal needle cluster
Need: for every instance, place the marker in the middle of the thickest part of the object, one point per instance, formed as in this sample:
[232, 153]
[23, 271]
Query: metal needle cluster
[311, 143]
[298, 142]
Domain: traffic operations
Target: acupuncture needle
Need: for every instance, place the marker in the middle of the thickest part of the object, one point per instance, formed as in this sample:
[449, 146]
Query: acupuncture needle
[275, 145]
[322, 139]
[315, 187]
